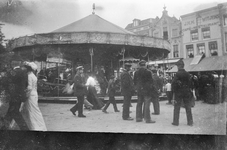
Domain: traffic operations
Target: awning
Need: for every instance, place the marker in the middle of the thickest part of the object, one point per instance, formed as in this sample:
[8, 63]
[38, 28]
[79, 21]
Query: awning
[213, 63]
[165, 61]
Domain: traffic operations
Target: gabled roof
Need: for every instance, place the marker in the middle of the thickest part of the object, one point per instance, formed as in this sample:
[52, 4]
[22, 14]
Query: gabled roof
[92, 23]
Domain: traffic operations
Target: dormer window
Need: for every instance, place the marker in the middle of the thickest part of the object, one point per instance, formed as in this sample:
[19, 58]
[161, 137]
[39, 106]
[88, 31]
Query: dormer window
[135, 22]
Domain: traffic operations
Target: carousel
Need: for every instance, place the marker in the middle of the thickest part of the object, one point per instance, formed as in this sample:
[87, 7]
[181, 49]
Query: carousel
[99, 45]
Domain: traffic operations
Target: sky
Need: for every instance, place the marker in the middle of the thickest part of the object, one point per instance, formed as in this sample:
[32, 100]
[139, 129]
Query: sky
[43, 16]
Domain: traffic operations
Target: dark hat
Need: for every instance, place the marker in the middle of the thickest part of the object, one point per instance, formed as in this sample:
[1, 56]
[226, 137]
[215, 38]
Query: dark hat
[180, 62]
[79, 67]
[142, 63]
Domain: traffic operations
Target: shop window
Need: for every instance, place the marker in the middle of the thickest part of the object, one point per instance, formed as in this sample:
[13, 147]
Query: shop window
[190, 51]
[206, 32]
[175, 51]
[194, 34]
[201, 48]
[213, 47]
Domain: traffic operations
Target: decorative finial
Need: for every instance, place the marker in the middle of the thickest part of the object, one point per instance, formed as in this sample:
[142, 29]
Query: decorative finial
[93, 9]
[164, 7]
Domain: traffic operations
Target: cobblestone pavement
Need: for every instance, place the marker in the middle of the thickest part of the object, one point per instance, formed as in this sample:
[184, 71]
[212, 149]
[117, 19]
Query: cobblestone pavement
[208, 119]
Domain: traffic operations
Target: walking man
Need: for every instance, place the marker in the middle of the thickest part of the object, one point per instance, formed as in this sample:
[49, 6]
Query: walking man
[79, 91]
[181, 87]
[111, 93]
[127, 91]
[144, 85]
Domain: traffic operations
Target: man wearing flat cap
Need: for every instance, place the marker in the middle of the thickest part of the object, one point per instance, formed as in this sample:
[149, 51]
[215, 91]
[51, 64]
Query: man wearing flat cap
[181, 86]
[79, 91]
[127, 89]
[144, 85]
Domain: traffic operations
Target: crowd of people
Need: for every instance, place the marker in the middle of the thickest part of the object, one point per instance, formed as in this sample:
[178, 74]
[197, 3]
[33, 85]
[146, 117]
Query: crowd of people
[143, 82]
[146, 84]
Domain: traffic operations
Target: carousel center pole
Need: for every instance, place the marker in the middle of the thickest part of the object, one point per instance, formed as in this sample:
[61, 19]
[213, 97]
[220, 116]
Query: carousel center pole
[91, 53]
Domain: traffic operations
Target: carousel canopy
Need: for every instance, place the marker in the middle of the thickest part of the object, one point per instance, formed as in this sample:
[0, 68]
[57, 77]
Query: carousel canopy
[92, 23]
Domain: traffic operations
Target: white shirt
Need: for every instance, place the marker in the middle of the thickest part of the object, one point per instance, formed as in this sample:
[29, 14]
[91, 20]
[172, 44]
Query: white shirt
[168, 87]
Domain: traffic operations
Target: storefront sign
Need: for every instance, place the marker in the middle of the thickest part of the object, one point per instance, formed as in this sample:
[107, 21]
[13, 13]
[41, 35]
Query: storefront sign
[200, 26]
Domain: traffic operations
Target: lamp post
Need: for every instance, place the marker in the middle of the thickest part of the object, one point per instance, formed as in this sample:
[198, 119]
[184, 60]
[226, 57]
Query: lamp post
[91, 53]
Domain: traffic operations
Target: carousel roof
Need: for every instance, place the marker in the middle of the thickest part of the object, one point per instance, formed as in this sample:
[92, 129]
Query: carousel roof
[93, 30]
[92, 23]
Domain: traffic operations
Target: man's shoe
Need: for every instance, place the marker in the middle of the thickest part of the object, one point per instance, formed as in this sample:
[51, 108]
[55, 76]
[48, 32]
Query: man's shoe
[175, 124]
[150, 121]
[129, 118]
[105, 111]
[73, 112]
[82, 116]
[117, 111]
[139, 120]
[155, 113]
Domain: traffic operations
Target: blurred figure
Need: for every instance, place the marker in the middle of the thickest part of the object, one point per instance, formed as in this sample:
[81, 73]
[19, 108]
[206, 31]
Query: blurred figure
[111, 93]
[169, 93]
[92, 93]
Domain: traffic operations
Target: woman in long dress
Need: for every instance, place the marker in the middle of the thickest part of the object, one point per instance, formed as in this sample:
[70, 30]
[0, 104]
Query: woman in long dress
[32, 113]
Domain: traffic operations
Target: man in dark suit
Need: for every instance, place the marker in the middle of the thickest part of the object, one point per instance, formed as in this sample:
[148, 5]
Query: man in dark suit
[17, 94]
[79, 91]
[181, 86]
[127, 89]
[144, 85]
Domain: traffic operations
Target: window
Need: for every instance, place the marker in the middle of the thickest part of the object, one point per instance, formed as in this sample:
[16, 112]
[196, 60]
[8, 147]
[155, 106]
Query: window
[194, 34]
[213, 47]
[165, 33]
[174, 32]
[206, 32]
[175, 51]
[135, 23]
[225, 20]
[201, 48]
[190, 51]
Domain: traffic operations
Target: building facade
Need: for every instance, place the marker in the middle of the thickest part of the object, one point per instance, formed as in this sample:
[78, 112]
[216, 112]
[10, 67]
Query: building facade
[204, 32]
[166, 27]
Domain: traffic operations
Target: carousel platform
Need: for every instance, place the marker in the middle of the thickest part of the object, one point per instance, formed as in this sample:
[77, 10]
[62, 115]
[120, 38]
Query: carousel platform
[72, 100]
